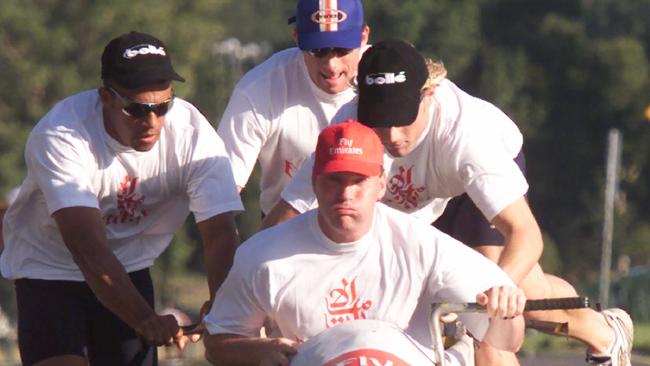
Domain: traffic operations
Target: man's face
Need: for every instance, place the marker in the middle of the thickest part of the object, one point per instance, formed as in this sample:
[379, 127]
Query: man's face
[346, 203]
[400, 141]
[334, 72]
[140, 132]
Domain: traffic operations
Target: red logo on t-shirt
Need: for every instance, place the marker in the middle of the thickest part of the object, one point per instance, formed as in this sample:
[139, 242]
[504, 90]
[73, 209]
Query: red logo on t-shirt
[401, 189]
[127, 204]
[343, 305]
[366, 357]
[289, 168]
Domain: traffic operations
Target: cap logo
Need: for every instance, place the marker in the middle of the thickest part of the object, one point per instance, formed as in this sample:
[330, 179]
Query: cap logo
[345, 146]
[381, 78]
[143, 49]
[328, 16]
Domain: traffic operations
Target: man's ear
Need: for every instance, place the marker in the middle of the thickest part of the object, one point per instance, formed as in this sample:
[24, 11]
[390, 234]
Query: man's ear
[294, 35]
[365, 35]
[382, 185]
[104, 94]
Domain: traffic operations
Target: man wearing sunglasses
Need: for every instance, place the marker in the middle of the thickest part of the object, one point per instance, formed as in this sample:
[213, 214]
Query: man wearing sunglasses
[113, 172]
[277, 109]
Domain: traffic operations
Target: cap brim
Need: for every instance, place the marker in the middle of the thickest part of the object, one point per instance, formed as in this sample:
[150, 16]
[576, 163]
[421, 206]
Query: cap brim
[391, 112]
[364, 168]
[350, 38]
[140, 79]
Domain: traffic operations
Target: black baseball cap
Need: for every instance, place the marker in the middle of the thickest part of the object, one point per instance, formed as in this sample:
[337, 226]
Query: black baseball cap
[136, 59]
[390, 79]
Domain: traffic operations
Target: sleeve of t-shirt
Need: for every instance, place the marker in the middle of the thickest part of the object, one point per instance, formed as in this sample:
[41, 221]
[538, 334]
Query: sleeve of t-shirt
[59, 163]
[459, 273]
[481, 157]
[299, 193]
[211, 187]
[237, 308]
[243, 135]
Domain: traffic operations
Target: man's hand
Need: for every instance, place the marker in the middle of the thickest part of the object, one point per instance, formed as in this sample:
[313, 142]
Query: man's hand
[282, 349]
[160, 330]
[504, 302]
[505, 305]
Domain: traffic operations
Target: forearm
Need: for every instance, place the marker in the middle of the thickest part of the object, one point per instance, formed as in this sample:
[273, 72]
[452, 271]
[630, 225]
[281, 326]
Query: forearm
[506, 334]
[521, 251]
[220, 241]
[281, 212]
[113, 287]
[234, 350]
[84, 235]
[218, 261]
[523, 239]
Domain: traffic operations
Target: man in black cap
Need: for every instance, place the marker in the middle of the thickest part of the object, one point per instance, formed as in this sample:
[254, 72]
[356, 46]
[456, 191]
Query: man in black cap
[456, 161]
[113, 172]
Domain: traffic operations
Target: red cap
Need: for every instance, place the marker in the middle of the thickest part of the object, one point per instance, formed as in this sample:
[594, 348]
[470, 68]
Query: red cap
[348, 147]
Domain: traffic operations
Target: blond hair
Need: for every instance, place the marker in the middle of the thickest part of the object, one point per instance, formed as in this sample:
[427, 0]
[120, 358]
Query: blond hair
[437, 73]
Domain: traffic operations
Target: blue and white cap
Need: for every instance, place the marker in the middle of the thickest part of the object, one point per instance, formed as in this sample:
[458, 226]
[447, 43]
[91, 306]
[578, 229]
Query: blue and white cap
[328, 23]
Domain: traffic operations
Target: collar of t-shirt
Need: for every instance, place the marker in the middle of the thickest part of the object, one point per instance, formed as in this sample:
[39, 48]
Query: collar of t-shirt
[350, 247]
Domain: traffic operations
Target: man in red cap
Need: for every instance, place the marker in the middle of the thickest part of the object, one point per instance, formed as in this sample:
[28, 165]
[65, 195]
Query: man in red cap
[456, 161]
[351, 258]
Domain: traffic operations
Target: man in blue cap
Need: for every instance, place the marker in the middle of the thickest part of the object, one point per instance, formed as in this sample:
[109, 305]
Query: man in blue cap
[277, 109]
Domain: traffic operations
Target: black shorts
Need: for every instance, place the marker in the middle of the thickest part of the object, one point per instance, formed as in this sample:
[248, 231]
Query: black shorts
[463, 221]
[65, 318]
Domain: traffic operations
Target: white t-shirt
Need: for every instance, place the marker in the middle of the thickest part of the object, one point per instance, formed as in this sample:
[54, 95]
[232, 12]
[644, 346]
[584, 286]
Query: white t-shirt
[275, 114]
[144, 197]
[305, 283]
[468, 146]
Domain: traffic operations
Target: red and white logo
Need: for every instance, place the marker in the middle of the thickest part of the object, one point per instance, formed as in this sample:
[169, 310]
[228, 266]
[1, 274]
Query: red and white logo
[328, 16]
[402, 191]
[343, 305]
[128, 204]
[289, 168]
[366, 357]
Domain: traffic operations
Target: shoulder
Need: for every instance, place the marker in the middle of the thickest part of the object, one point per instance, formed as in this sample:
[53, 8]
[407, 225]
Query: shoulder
[184, 116]
[71, 112]
[272, 71]
[403, 227]
[280, 241]
[71, 119]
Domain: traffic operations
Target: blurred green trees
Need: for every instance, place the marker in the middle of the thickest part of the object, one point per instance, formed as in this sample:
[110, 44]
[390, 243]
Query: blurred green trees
[565, 71]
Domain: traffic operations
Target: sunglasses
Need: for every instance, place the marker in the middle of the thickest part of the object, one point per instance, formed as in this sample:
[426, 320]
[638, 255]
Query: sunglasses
[324, 52]
[141, 110]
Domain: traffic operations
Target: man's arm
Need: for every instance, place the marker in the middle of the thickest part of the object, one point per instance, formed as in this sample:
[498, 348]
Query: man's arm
[220, 241]
[505, 306]
[236, 350]
[84, 234]
[523, 239]
[281, 212]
